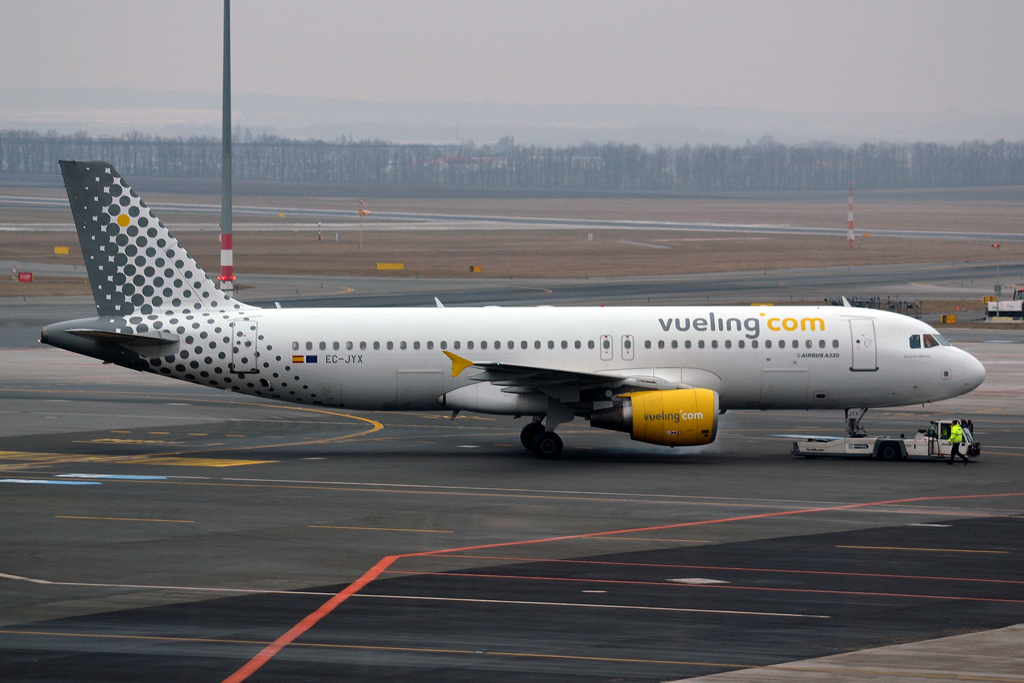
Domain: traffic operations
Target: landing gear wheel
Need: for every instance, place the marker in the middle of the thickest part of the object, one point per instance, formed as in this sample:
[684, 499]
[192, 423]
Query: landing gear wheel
[529, 432]
[547, 445]
[889, 451]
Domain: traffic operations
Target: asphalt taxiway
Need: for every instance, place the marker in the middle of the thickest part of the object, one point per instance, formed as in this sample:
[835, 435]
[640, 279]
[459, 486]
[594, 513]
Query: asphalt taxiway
[153, 530]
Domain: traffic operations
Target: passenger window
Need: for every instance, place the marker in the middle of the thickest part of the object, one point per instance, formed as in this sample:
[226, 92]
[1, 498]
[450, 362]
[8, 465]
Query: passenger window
[483, 345]
[835, 343]
[661, 343]
[578, 345]
[456, 345]
[337, 346]
[511, 345]
[497, 345]
[915, 341]
[536, 344]
[430, 346]
[821, 343]
[309, 346]
[391, 346]
[714, 344]
[565, 344]
[415, 346]
[753, 344]
[376, 346]
[741, 343]
[647, 344]
[728, 344]
[590, 344]
[362, 346]
[808, 343]
[675, 344]
[402, 346]
[606, 344]
[929, 341]
[523, 345]
[551, 344]
[469, 345]
[767, 343]
[444, 345]
[348, 346]
[323, 346]
[700, 344]
[295, 346]
[688, 344]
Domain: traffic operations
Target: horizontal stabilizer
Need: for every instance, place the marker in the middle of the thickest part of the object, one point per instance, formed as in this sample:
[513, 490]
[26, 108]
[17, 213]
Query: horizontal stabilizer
[154, 338]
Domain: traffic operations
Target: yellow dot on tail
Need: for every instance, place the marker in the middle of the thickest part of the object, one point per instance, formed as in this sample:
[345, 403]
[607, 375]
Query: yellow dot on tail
[123, 220]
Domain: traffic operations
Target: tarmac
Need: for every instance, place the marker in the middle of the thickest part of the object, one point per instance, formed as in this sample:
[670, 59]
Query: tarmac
[154, 530]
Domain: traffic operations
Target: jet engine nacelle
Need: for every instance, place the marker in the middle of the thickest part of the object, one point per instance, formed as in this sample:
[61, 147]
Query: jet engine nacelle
[678, 417]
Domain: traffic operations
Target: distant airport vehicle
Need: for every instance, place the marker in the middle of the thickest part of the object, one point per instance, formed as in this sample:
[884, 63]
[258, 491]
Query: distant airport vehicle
[1013, 308]
[932, 443]
[661, 374]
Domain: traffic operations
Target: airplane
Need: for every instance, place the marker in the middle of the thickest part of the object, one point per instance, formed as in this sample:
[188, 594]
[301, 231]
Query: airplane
[662, 374]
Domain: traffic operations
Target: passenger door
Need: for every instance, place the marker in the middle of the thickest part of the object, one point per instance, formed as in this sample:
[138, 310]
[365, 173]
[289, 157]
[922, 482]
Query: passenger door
[865, 354]
[244, 352]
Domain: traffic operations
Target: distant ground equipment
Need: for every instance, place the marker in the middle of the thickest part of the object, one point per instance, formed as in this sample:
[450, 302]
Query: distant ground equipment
[902, 306]
[1014, 308]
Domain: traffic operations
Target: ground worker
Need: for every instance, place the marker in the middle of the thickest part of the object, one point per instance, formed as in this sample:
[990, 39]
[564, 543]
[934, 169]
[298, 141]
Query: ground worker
[956, 437]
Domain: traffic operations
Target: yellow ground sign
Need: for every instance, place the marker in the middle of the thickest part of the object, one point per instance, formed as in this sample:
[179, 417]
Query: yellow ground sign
[62, 250]
[390, 266]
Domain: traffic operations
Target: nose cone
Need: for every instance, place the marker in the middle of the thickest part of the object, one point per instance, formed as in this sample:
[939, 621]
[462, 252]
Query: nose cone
[974, 372]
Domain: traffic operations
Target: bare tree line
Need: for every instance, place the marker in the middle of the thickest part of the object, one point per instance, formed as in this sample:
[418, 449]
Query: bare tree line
[763, 166]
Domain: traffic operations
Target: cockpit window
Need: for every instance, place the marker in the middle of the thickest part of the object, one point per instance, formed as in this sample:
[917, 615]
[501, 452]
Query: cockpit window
[929, 341]
[942, 340]
[915, 341]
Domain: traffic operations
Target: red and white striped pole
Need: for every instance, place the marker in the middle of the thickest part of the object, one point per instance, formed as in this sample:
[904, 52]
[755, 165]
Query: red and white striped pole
[227, 265]
[227, 269]
[849, 219]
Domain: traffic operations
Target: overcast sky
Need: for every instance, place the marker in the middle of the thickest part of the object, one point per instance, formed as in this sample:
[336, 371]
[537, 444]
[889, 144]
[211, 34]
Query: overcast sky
[788, 55]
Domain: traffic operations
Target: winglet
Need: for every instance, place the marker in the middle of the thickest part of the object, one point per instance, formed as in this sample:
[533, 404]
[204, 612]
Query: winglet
[438, 302]
[458, 364]
[846, 303]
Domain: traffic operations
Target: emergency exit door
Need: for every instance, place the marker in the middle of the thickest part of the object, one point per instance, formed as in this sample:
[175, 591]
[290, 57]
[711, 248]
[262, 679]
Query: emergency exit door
[865, 353]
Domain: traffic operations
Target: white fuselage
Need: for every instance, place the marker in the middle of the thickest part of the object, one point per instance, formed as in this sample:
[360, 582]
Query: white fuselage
[754, 357]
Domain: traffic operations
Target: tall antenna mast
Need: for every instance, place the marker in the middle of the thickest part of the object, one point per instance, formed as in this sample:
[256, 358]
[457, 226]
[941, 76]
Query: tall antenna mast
[227, 272]
[849, 218]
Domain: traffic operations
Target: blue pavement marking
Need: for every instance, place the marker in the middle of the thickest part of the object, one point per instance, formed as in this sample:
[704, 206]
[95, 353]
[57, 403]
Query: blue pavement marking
[138, 477]
[48, 481]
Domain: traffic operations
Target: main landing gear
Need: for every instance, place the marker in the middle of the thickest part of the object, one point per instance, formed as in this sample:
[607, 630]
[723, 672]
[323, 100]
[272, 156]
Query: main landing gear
[546, 445]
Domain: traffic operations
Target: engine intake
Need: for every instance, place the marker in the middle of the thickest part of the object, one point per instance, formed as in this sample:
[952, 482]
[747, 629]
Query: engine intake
[678, 417]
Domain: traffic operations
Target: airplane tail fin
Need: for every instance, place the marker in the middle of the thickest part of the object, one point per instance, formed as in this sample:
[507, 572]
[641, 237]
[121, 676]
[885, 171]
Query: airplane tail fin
[136, 267]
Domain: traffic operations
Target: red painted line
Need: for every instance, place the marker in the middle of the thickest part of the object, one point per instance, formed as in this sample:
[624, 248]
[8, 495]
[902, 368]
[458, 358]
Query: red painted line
[681, 525]
[669, 584]
[267, 653]
[766, 570]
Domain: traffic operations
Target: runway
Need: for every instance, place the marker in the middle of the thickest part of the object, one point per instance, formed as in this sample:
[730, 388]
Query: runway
[159, 531]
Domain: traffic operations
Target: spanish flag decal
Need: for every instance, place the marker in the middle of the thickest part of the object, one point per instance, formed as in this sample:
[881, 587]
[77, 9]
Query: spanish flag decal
[298, 359]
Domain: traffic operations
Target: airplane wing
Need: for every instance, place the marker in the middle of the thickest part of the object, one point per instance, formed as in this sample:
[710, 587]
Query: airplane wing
[561, 384]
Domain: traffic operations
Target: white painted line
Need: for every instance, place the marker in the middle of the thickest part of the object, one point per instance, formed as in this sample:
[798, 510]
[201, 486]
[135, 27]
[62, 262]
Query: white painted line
[142, 477]
[580, 604]
[48, 481]
[699, 582]
[940, 526]
[15, 577]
